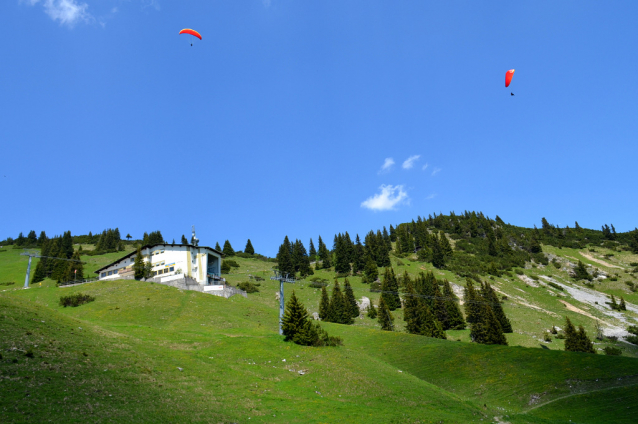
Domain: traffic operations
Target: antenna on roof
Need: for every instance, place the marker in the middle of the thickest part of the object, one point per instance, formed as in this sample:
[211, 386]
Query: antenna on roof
[194, 239]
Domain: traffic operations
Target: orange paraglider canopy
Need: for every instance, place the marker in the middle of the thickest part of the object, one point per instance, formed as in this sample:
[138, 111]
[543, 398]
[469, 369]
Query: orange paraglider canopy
[191, 32]
[508, 77]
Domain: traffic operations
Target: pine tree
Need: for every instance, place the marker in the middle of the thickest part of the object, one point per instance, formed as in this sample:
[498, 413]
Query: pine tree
[428, 326]
[338, 311]
[493, 330]
[284, 259]
[613, 305]
[633, 240]
[622, 306]
[385, 317]
[324, 304]
[312, 252]
[324, 255]
[359, 260]
[32, 238]
[445, 245]
[577, 340]
[300, 259]
[66, 247]
[249, 248]
[144, 240]
[535, 246]
[128, 236]
[390, 290]
[488, 293]
[228, 249]
[440, 308]
[372, 311]
[371, 272]
[185, 241]
[138, 265]
[40, 272]
[21, 240]
[438, 258]
[74, 270]
[42, 239]
[342, 260]
[295, 317]
[217, 246]
[580, 272]
[383, 258]
[351, 302]
[455, 317]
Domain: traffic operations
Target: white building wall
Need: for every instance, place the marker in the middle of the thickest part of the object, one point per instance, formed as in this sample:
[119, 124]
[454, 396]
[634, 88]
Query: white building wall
[191, 261]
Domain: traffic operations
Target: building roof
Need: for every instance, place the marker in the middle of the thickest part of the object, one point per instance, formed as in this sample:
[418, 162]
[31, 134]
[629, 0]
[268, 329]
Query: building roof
[150, 246]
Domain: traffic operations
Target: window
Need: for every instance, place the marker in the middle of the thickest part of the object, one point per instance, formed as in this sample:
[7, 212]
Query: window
[172, 268]
[116, 271]
[154, 273]
[110, 273]
[103, 274]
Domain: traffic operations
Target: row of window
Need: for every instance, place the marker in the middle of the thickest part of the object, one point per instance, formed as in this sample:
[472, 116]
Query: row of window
[104, 274]
[158, 252]
[163, 271]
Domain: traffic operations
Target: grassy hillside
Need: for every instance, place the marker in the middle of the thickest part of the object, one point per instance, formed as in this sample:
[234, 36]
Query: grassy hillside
[116, 360]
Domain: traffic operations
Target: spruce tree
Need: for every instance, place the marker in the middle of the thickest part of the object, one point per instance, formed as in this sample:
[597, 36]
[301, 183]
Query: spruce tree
[493, 330]
[384, 316]
[351, 302]
[138, 265]
[324, 304]
[577, 340]
[342, 262]
[185, 241]
[74, 270]
[295, 317]
[390, 290]
[32, 238]
[359, 260]
[455, 317]
[622, 306]
[338, 312]
[42, 239]
[372, 311]
[66, 249]
[410, 307]
[217, 247]
[490, 297]
[284, 259]
[383, 258]
[393, 234]
[228, 249]
[249, 248]
[438, 258]
[580, 272]
[440, 308]
[428, 326]
[324, 255]
[371, 272]
[445, 245]
[312, 252]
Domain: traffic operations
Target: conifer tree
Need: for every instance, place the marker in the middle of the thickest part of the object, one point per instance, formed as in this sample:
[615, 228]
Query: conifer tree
[390, 290]
[338, 312]
[577, 340]
[371, 272]
[359, 260]
[427, 324]
[384, 253]
[228, 249]
[32, 238]
[342, 263]
[43, 238]
[440, 308]
[40, 272]
[372, 311]
[493, 331]
[284, 259]
[185, 241]
[74, 270]
[128, 236]
[324, 304]
[144, 240]
[438, 258]
[21, 240]
[393, 234]
[385, 317]
[324, 255]
[138, 265]
[489, 295]
[295, 317]
[580, 272]
[622, 306]
[455, 317]
[410, 306]
[312, 252]
[300, 259]
[249, 248]
[217, 246]
[614, 305]
[633, 240]
[351, 302]
[535, 246]
[445, 245]
[66, 247]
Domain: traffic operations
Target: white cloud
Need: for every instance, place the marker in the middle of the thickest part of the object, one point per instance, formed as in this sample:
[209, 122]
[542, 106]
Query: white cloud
[67, 12]
[389, 197]
[409, 162]
[387, 165]
[431, 196]
[436, 171]
[425, 166]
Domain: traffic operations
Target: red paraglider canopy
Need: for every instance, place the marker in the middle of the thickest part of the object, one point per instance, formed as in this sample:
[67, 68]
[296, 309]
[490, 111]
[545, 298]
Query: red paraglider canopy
[508, 77]
[191, 32]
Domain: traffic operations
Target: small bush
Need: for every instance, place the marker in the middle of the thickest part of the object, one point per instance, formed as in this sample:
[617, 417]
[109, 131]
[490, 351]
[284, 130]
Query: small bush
[614, 278]
[613, 351]
[231, 262]
[556, 286]
[8, 283]
[399, 262]
[248, 287]
[225, 268]
[632, 339]
[75, 300]
[633, 329]
[633, 263]
[631, 286]
[534, 277]
[547, 337]
[556, 264]
[554, 330]
[317, 283]
[14, 361]
[29, 353]
[519, 271]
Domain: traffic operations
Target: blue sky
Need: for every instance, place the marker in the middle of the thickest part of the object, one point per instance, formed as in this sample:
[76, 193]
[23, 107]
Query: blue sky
[302, 118]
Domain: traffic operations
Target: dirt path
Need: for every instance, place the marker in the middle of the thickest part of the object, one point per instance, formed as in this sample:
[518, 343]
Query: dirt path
[599, 261]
